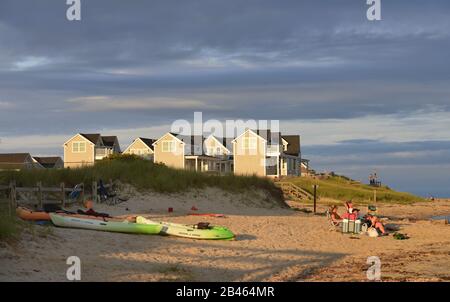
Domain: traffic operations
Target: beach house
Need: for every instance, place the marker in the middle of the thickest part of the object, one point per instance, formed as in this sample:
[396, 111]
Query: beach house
[84, 149]
[222, 149]
[266, 153]
[17, 161]
[142, 147]
[49, 162]
[185, 152]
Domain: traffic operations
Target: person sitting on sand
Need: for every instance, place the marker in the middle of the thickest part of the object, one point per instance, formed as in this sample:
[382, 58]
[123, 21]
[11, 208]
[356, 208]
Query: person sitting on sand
[335, 217]
[351, 216]
[374, 222]
[349, 206]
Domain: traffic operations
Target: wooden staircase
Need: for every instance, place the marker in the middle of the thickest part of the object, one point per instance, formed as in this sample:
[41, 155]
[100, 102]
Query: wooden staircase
[293, 192]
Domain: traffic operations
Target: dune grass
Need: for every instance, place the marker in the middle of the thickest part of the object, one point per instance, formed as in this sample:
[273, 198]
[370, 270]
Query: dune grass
[342, 188]
[9, 224]
[143, 175]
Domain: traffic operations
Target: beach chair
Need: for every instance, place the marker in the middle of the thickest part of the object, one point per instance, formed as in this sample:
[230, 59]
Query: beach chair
[75, 193]
[334, 226]
[108, 196]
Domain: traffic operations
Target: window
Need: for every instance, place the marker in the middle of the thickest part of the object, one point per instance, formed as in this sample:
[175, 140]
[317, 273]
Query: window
[78, 147]
[168, 146]
[249, 143]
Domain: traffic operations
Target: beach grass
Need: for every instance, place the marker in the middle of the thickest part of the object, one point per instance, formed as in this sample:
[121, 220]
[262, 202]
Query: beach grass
[142, 174]
[342, 188]
[9, 223]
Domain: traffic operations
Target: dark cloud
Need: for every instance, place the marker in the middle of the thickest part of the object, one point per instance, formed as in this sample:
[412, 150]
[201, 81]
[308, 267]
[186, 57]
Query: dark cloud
[258, 59]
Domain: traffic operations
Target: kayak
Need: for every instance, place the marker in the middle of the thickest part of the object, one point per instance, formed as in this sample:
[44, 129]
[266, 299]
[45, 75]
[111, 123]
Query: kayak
[189, 231]
[27, 214]
[103, 224]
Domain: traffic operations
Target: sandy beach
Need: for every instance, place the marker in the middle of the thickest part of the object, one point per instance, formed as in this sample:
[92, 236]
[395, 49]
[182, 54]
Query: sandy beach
[272, 244]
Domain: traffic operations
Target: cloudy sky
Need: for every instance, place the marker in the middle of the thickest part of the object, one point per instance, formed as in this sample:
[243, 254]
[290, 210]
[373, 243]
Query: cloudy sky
[363, 95]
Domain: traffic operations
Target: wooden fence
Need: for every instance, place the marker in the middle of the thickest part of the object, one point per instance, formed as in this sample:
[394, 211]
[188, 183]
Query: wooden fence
[39, 195]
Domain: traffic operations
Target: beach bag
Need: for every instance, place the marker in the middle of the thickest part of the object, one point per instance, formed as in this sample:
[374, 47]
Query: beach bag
[203, 225]
[364, 228]
[372, 232]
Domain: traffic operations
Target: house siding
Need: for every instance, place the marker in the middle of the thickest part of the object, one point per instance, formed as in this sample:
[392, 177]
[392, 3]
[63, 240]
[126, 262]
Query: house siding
[211, 143]
[74, 160]
[249, 162]
[138, 144]
[170, 159]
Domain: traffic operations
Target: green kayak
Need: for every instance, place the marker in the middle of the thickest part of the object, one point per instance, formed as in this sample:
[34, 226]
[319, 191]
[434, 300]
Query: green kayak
[190, 231]
[103, 224]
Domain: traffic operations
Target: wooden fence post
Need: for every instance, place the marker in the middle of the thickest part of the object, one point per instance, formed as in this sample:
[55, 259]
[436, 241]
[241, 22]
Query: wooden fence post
[63, 194]
[82, 193]
[39, 192]
[12, 194]
[94, 191]
[315, 198]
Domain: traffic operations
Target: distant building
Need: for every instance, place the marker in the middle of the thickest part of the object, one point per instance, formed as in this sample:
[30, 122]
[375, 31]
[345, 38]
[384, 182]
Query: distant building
[17, 161]
[142, 147]
[185, 152]
[49, 162]
[84, 149]
[266, 153]
[305, 168]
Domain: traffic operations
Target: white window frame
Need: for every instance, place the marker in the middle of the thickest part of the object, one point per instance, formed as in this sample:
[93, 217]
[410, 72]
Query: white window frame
[78, 149]
[168, 143]
[249, 143]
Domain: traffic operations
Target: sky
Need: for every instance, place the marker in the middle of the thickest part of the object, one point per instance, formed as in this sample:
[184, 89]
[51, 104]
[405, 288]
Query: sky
[363, 95]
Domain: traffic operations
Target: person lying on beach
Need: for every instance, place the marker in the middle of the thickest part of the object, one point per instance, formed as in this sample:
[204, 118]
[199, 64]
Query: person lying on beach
[335, 217]
[89, 205]
[374, 222]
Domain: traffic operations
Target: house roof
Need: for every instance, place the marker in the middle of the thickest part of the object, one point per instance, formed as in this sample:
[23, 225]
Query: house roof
[148, 141]
[14, 158]
[109, 141]
[225, 141]
[192, 140]
[293, 147]
[92, 137]
[48, 160]
[168, 133]
[248, 130]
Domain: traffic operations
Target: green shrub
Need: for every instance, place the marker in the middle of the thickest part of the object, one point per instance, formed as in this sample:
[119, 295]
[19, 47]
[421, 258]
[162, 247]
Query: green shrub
[9, 224]
[343, 188]
[142, 174]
